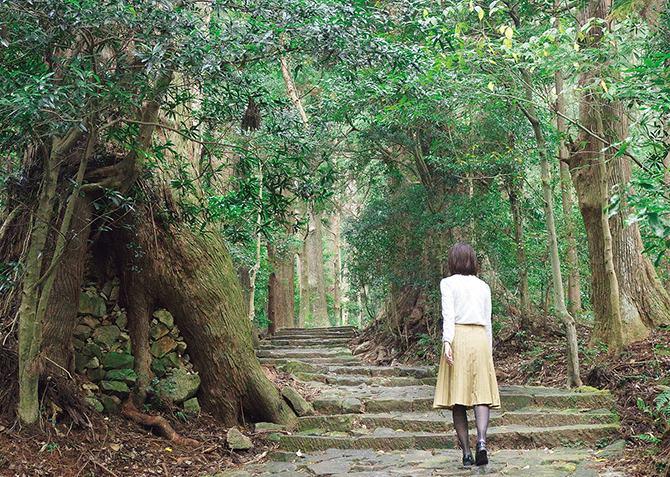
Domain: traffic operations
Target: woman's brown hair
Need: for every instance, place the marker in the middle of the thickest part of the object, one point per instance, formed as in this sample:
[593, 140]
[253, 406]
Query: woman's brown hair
[463, 260]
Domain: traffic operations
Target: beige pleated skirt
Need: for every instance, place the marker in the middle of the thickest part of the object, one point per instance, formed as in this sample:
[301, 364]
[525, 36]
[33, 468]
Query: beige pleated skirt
[472, 378]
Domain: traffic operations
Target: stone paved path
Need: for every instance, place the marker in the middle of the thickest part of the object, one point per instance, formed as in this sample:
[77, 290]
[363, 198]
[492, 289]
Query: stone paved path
[378, 421]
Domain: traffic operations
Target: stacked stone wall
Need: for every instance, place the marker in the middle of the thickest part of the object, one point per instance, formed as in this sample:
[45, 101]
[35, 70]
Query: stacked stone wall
[103, 352]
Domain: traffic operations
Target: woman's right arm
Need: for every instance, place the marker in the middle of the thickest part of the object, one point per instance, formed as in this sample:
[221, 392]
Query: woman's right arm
[448, 324]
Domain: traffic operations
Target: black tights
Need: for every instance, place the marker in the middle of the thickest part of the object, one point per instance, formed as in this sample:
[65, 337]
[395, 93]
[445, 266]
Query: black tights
[461, 424]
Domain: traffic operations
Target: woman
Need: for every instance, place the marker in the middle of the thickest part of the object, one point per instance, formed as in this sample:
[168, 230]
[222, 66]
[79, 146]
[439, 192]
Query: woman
[466, 378]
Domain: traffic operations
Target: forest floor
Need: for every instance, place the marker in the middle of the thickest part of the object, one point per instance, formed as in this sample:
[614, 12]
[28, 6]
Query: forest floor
[115, 446]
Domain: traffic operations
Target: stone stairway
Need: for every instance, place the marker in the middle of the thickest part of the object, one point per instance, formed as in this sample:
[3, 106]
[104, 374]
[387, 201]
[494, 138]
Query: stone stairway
[387, 409]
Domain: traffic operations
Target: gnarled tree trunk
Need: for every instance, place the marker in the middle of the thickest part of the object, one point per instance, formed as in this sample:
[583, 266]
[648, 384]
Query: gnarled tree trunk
[192, 276]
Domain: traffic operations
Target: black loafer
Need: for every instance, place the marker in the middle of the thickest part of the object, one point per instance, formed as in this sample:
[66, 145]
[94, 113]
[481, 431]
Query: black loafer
[468, 459]
[480, 455]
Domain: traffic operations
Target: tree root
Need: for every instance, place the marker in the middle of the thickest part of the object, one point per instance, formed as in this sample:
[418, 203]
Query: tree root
[157, 422]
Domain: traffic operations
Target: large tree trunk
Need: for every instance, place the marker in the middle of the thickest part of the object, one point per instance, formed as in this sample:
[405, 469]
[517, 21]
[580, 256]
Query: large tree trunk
[644, 301]
[61, 316]
[633, 296]
[193, 277]
[303, 283]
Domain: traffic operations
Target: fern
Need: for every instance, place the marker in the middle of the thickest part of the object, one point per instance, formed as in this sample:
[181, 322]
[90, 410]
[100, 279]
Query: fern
[663, 403]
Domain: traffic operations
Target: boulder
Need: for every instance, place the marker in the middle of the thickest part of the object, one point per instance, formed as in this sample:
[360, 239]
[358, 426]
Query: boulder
[158, 368]
[192, 405]
[118, 361]
[80, 362]
[117, 387]
[181, 347]
[163, 346]
[121, 320]
[164, 317]
[111, 403]
[90, 321]
[96, 374]
[179, 385]
[127, 376]
[238, 441]
[95, 404]
[92, 349]
[91, 304]
[106, 336]
[93, 363]
[159, 330]
[82, 332]
[297, 402]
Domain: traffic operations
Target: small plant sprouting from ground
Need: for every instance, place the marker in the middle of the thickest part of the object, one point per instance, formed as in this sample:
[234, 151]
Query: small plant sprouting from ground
[660, 412]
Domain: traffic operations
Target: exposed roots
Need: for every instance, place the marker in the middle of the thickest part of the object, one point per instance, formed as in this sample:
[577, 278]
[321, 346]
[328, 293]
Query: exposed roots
[159, 423]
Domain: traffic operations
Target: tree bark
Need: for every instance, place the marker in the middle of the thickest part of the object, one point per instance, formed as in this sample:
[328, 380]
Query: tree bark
[282, 288]
[625, 285]
[303, 282]
[574, 291]
[574, 378]
[193, 277]
[317, 273]
[336, 265]
[513, 190]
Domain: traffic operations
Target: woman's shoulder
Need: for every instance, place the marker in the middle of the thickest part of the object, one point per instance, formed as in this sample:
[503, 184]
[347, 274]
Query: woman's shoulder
[469, 280]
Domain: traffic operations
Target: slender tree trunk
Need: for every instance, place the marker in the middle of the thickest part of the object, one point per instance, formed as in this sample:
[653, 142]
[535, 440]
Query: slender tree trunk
[30, 320]
[574, 291]
[317, 274]
[257, 263]
[61, 315]
[513, 190]
[337, 265]
[303, 282]
[574, 378]
[282, 261]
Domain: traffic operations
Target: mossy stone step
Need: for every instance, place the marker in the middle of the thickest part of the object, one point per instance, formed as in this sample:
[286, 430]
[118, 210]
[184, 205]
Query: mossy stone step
[341, 361]
[420, 398]
[353, 380]
[499, 437]
[303, 353]
[311, 342]
[440, 421]
[416, 372]
[317, 331]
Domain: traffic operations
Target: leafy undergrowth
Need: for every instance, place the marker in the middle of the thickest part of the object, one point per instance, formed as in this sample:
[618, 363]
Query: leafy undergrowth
[637, 378]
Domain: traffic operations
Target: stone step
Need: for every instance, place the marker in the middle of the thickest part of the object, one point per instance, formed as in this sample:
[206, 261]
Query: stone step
[509, 437]
[343, 361]
[308, 342]
[420, 398]
[440, 421]
[352, 330]
[298, 366]
[303, 354]
[353, 380]
[407, 371]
